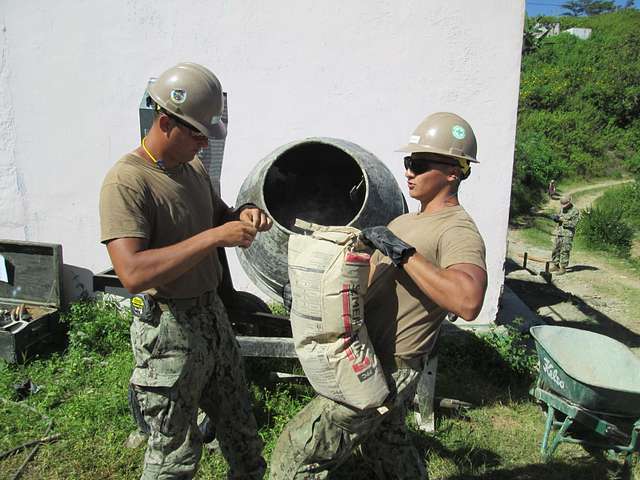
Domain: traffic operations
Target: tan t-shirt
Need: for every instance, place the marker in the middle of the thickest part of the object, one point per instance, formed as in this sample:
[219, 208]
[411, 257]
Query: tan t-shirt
[141, 200]
[401, 319]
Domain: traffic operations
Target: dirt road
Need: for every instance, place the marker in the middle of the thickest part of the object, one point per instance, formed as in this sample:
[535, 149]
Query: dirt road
[598, 292]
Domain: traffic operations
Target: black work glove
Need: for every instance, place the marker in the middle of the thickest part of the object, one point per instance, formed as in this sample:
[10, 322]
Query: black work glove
[384, 240]
[556, 218]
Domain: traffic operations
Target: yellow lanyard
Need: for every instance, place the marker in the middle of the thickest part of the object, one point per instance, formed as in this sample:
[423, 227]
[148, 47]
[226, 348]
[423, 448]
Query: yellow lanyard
[157, 162]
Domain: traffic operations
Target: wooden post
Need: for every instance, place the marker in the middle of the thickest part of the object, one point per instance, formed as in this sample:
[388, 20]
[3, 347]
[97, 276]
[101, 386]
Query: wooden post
[425, 396]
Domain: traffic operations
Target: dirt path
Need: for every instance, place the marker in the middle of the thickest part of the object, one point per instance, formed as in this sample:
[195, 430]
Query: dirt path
[583, 198]
[598, 292]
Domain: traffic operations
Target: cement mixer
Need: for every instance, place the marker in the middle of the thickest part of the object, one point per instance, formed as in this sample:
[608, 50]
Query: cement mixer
[326, 181]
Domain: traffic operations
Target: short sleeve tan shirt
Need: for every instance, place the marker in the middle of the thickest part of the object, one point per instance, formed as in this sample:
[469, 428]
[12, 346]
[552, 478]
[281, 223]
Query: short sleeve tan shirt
[165, 207]
[402, 321]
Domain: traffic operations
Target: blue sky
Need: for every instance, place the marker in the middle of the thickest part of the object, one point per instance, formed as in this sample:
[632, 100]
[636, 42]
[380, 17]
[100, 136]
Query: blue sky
[551, 7]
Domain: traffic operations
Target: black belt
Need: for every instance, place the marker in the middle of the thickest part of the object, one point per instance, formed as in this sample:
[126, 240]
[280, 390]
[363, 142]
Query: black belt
[186, 303]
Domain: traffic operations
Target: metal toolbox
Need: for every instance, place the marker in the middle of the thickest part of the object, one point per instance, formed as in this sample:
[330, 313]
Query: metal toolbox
[33, 279]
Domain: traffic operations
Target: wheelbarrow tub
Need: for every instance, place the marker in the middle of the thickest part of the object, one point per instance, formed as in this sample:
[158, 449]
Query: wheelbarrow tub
[589, 369]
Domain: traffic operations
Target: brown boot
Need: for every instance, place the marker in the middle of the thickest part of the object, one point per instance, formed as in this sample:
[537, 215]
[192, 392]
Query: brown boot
[554, 268]
[561, 271]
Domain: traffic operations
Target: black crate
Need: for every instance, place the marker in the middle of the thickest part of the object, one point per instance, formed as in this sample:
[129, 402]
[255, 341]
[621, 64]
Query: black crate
[34, 272]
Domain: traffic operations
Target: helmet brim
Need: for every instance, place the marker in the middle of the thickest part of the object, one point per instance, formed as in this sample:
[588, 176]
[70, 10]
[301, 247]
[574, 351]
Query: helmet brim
[217, 131]
[415, 148]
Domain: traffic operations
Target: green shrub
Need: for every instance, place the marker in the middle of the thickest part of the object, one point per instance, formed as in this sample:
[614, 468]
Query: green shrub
[535, 165]
[278, 309]
[602, 228]
[98, 325]
[626, 199]
[511, 346]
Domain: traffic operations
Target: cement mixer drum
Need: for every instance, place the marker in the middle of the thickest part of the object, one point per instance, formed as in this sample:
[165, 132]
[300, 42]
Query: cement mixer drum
[321, 180]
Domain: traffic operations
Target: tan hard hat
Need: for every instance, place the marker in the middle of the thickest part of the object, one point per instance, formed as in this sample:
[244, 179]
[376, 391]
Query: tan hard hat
[446, 134]
[566, 200]
[192, 93]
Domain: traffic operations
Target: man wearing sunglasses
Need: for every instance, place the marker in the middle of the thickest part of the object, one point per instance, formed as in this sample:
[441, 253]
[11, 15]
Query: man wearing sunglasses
[427, 264]
[162, 223]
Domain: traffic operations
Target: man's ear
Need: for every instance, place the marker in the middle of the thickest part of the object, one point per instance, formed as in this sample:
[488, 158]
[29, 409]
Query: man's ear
[164, 122]
[455, 173]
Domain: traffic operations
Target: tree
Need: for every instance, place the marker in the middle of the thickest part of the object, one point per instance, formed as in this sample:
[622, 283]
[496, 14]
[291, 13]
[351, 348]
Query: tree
[591, 7]
[575, 8]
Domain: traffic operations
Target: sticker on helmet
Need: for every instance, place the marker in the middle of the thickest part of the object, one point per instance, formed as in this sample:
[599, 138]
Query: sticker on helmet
[458, 132]
[178, 95]
[414, 139]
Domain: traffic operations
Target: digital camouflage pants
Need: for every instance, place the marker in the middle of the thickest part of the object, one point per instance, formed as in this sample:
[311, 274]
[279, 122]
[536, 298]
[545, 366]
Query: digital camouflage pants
[185, 360]
[562, 250]
[325, 433]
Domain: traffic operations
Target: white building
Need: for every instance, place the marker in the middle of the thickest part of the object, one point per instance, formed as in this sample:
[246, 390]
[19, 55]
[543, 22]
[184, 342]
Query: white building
[72, 75]
[581, 33]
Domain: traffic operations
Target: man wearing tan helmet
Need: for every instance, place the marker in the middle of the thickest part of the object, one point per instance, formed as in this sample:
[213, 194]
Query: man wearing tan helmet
[427, 264]
[566, 220]
[162, 223]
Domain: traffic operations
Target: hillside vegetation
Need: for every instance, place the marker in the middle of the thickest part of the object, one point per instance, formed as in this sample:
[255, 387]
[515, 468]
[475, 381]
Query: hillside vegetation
[579, 107]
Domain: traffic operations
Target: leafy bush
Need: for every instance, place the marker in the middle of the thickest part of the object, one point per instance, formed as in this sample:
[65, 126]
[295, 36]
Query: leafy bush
[98, 325]
[498, 359]
[603, 228]
[625, 199]
[510, 344]
[278, 309]
[536, 164]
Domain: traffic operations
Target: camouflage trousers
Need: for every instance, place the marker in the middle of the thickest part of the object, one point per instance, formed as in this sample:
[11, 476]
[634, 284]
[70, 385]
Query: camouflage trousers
[185, 360]
[562, 250]
[325, 434]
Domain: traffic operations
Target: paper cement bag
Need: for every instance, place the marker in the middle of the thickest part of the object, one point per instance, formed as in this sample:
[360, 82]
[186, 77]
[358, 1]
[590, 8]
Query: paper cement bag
[329, 279]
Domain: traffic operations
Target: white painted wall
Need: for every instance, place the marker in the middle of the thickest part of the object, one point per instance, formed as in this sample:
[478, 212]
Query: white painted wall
[72, 74]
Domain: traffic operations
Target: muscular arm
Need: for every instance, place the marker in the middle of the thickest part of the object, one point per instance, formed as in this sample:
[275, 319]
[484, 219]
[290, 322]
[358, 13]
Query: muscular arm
[140, 268]
[458, 289]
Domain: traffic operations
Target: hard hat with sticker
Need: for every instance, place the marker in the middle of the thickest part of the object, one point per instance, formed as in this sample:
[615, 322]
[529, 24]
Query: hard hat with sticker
[458, 132]
[178, 95]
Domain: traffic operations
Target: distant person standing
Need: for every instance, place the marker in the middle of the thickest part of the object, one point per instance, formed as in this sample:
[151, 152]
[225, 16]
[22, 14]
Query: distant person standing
[552, 188]
[567, 221]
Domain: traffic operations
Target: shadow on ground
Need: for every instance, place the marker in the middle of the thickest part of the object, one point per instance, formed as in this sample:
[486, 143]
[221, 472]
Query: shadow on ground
[581, 268]
[553, 471]
[473, 459]
[537, 295]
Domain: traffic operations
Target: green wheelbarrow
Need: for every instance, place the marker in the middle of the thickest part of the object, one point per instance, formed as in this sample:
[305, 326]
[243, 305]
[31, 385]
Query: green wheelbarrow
[590, 384]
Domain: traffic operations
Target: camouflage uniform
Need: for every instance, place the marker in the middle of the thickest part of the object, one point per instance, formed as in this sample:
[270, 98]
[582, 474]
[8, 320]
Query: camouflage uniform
[325, 433]
[564, 232]
[187, 357]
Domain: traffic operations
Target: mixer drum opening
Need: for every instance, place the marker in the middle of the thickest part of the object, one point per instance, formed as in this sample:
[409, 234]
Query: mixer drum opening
[315, 182]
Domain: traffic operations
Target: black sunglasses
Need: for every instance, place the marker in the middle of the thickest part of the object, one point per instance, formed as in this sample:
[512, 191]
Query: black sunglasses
[195, 133]
[419, 165]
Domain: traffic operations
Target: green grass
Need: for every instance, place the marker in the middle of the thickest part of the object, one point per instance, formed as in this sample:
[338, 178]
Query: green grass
[539, 232]
[84, 393]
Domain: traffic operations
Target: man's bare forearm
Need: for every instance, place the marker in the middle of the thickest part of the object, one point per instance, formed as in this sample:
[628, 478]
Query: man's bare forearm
[139, 268]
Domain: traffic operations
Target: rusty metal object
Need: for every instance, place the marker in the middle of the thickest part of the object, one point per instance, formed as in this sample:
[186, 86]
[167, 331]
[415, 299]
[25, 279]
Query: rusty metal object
[321, 180]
